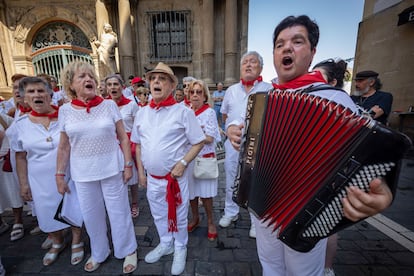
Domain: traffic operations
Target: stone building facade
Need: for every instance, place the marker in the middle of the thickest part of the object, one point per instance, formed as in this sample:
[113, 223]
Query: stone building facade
[385, 44]
[201, 38]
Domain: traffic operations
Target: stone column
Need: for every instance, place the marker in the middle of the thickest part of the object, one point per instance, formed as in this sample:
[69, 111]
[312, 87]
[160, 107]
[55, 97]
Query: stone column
[126, 60]
[230, 43]
[102, 16]
[208, 41]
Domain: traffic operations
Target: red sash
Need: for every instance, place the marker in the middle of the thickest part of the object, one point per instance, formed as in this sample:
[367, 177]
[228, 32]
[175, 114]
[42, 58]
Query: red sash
[173, 198]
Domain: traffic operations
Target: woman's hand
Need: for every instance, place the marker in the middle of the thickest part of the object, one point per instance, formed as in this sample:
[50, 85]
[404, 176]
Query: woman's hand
[127, 174]
[142, 180]
[26, 193]
[62, 186]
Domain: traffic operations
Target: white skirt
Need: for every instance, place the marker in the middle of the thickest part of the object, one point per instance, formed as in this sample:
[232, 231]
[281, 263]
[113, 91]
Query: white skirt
[9, 190]
[204, 188]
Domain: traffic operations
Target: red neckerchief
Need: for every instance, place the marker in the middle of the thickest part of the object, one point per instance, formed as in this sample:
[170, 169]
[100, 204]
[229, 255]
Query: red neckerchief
[24, 109]
[202, 109]
[251, 83]
[187, 102]
[123, 101]
[142, 105]
[173, 198]
[94, 102]
[56, 89]
[167, 102]
[50, 115]
[309, 78]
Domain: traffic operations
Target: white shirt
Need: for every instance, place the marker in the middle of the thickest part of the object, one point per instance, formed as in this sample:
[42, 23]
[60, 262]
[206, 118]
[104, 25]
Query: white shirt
[128, 112]
[165, 135]
[208, 122]
[235, 101]
[95, 152]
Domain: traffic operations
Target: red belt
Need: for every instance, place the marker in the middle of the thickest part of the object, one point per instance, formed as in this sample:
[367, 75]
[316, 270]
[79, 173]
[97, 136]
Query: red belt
[207, 155]
[173, 198]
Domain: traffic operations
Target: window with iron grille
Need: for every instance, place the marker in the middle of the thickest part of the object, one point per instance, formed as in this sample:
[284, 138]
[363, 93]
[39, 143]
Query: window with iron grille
[170, 36]
[55, 45]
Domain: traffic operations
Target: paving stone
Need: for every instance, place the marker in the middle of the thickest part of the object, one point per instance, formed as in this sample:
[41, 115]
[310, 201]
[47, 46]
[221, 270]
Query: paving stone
[209, 268]
[362, 249]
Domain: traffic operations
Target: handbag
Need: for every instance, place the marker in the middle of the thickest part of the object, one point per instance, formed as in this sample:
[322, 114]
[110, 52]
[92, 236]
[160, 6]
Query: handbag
[68, 210]
[206, 168]
[7, 166]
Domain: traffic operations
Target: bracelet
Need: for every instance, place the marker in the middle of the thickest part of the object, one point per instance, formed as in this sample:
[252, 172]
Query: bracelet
[127, 167]
[60, 174]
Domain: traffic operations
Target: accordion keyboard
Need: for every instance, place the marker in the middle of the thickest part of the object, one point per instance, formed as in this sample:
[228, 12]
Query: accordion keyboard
[326, 221]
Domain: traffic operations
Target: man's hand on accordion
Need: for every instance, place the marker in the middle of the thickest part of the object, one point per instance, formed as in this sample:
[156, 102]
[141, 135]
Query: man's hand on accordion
[359, 204]
[234, 134]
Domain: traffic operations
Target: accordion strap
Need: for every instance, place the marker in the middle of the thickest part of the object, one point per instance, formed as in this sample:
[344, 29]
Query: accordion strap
[319, 87]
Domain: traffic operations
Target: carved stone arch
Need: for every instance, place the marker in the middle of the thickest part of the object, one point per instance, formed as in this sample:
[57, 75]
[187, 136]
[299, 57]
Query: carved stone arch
[38, 17]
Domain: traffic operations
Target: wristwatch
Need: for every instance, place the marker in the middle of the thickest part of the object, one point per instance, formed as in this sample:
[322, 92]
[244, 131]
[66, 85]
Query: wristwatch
[129, 164]
[182, 161]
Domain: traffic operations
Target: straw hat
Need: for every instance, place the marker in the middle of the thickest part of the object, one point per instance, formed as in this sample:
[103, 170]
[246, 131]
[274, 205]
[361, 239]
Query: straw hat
[163, 68]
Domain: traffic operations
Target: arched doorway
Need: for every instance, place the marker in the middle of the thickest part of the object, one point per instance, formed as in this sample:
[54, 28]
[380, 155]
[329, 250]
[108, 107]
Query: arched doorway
[55, 45]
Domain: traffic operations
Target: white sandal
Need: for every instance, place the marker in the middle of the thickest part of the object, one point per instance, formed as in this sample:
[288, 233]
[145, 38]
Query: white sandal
[95, 265]
[17, 232]
[130, 260]
[77, 257]
[50, 257]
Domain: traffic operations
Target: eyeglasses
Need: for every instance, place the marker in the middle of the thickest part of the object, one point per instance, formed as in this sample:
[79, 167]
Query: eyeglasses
[198, 92]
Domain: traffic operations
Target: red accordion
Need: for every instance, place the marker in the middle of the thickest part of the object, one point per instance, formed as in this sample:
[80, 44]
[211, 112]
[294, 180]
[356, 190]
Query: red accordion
[299, 153]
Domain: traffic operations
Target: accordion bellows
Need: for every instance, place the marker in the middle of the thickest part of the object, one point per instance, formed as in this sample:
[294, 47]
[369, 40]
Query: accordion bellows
[299, 153]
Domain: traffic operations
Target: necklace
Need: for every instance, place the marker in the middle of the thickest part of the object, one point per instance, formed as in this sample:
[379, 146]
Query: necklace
[362, 100]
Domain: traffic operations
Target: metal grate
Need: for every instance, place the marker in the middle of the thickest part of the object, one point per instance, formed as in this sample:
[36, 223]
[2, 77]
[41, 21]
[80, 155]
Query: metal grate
[55, 45]
[53, 61]
[170, 36]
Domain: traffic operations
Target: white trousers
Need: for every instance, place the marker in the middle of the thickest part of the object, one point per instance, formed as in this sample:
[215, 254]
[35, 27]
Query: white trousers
[231, 209]
[277, 259]
[156, 195]
[107, 196]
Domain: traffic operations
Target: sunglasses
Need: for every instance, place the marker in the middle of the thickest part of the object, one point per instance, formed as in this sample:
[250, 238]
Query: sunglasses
[145, 94]
[198, 92]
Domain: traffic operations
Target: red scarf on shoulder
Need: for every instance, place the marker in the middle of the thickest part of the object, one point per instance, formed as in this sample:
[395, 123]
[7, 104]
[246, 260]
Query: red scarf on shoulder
[202, 109]
[167, 102]
[50, 115]
[24, 109]
[94, 102]
[309, 78]
[251, 82]
[123, 101]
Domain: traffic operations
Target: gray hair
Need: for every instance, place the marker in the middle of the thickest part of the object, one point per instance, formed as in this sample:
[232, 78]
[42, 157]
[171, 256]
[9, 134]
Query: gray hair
[33, 80]
[254, 53]
[189, 79]
[115, 76]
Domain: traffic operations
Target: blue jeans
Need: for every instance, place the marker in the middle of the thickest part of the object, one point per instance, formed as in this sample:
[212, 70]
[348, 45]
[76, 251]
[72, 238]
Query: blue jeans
[219, 115]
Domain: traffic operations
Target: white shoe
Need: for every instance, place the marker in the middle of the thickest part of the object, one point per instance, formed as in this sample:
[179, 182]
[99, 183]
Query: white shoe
[35, 231]
[159, 251]
[226, 221]
[329, 272]
[178, 265]
[252, 232]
